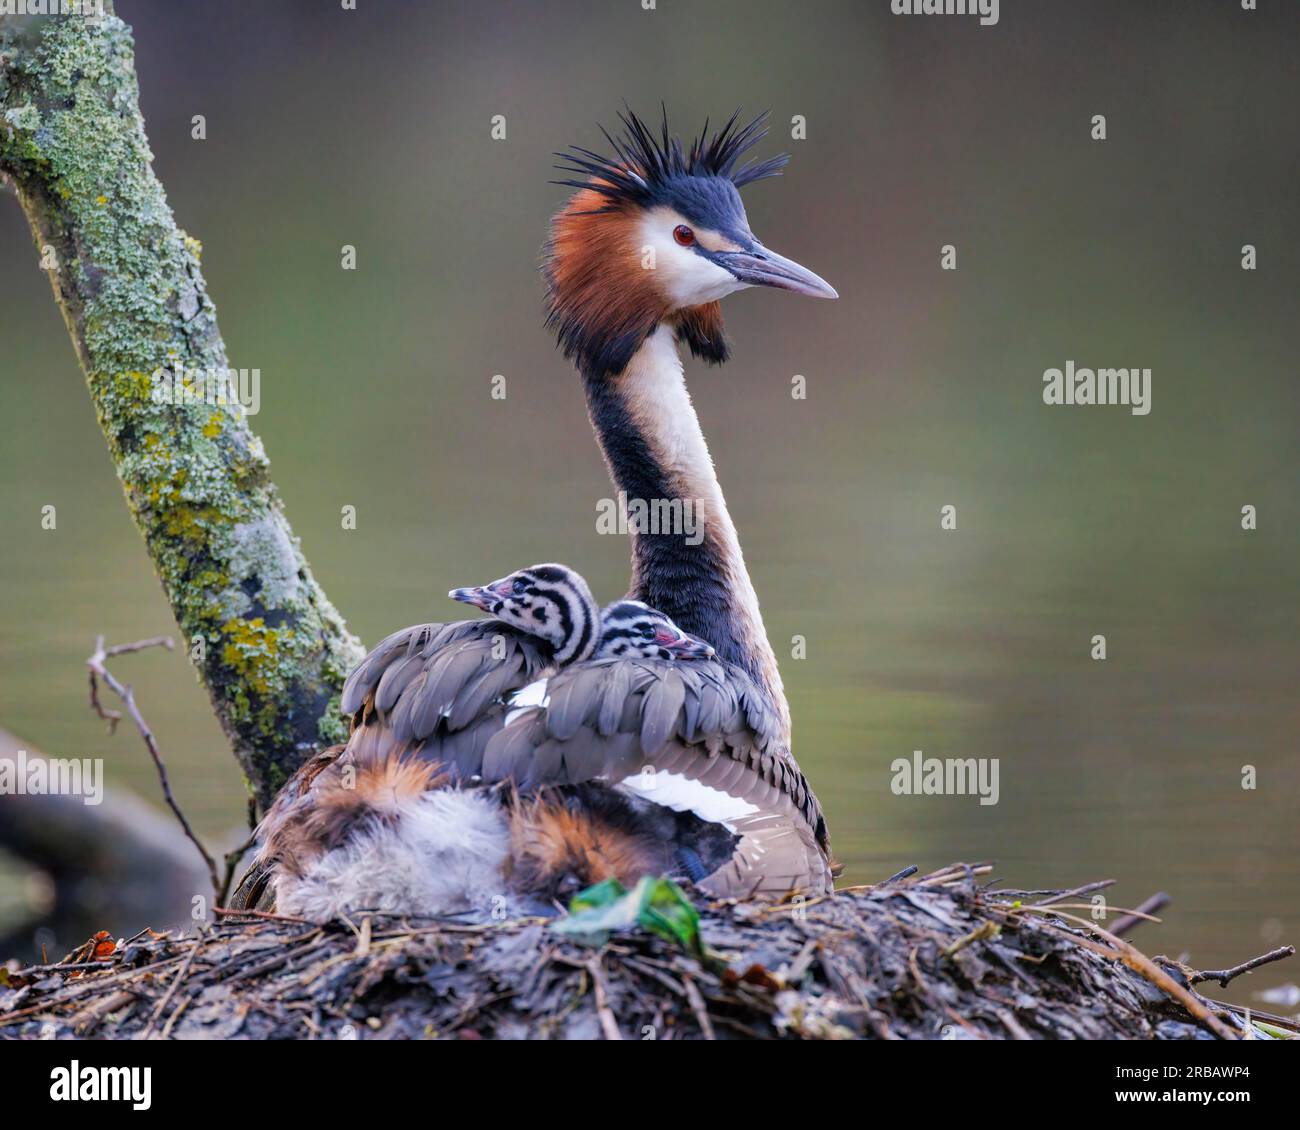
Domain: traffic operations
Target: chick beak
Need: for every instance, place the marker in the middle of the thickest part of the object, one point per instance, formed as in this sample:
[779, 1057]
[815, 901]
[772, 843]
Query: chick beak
[684, 646]
[482, 597]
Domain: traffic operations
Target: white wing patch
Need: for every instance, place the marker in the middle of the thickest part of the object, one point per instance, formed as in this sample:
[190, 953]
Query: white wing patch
[532, 695]
[681, 794]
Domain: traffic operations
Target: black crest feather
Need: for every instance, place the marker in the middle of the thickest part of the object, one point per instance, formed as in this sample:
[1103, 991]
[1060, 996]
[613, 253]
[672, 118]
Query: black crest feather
[642, 164]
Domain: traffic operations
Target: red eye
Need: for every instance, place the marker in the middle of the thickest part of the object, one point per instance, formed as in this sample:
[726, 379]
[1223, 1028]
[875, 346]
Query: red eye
[683, 235]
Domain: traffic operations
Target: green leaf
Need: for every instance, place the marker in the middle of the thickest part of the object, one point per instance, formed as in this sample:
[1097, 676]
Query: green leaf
[602, 894]
[657, 905]
[667, 911]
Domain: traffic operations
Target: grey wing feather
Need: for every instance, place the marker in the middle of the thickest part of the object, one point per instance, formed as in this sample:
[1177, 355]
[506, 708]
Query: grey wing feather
[510, 750]
[614, 692]
[609, 719]
[663, 700]
[570, 701]
[430, 681]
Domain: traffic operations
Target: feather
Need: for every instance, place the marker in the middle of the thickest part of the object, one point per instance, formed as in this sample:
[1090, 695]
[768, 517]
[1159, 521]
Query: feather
[572, 697]
[613, 699]
[659, 711]
[395, 679]
[510, 749]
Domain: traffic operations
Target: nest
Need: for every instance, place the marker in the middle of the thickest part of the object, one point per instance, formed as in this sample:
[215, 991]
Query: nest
[939, 956]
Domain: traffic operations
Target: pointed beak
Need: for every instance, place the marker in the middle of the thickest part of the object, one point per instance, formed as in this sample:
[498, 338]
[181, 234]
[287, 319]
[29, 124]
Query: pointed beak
[482, 597]
[684, 646]
[761, 267]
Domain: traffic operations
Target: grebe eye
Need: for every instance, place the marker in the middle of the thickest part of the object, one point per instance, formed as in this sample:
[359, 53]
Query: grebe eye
[519, 587]
[683, 235]
[647, 633]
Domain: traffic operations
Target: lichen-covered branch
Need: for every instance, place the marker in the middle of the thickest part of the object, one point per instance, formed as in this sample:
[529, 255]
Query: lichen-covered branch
[72, 143]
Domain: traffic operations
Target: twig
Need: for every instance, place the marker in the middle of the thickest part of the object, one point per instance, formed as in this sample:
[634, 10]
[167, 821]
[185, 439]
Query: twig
[82, 1019]
[1087, 888]
[1124, 951]
[98, 670]
[983, 932]
[66, 966]
[1156, 903]
[906, 873]
[608, 1024]
[1140, 915]
[140, 645]
[171, 991]
[1223, 976]
[701, 1010]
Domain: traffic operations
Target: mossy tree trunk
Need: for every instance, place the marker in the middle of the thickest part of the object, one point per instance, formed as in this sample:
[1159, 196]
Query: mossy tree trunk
[270, 648]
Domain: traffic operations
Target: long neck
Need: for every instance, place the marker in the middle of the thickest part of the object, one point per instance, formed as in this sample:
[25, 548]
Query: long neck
[693, 571]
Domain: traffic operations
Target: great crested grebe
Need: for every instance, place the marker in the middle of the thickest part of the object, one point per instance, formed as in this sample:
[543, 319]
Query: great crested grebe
[595, 764]
[387, 823]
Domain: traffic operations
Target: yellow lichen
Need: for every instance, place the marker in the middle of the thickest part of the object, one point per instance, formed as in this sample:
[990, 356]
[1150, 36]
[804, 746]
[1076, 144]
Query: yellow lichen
[252, 651]
[134, 385]
[192, 523]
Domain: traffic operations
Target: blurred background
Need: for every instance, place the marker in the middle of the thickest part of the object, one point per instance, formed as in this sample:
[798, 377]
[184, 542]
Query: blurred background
[328, 127]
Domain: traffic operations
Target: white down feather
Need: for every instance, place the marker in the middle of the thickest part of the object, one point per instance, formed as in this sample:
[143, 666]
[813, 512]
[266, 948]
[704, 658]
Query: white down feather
[439, 853]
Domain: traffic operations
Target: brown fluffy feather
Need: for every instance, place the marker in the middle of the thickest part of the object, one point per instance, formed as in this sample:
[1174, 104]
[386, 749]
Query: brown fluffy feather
[558, 847]
[343, 795]
[600, 300]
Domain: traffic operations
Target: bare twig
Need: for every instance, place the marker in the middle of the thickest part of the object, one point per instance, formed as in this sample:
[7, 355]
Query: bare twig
[68, 966]
[97, 1009]
[1142, 913]
[139, 645]
[1223, 976]
[98, 670]
[608, 1023]
[701, 1010]
[112, 717]
[981, 933]
[1086, 889]
[1121, 950]
[171, 991]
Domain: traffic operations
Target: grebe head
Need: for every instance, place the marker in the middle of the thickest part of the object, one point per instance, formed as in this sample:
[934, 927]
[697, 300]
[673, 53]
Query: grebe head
[657, 232]
[632, 630]
[549, 601]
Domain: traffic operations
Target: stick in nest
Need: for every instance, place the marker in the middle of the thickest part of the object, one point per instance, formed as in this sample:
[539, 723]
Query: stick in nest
[98, 668]
[1118, 948]
[1223, 976]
